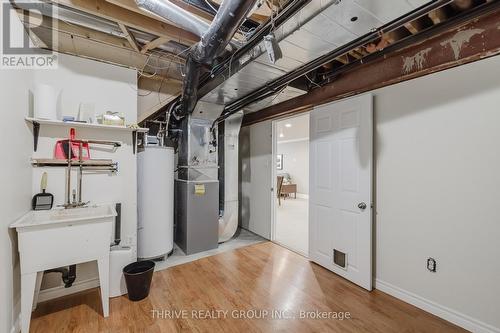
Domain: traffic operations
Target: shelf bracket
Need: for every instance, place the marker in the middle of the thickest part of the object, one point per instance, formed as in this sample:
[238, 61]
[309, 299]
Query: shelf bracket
[36, 132]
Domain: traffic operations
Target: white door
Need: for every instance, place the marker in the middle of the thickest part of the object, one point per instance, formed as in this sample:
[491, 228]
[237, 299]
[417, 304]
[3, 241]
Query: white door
[340, 172]
[256, 184]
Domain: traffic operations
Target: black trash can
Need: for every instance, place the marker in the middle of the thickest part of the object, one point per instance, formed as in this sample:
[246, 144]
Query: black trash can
[138, 277]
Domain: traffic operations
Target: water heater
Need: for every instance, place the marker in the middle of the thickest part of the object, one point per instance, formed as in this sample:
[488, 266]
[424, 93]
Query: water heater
[155, 201]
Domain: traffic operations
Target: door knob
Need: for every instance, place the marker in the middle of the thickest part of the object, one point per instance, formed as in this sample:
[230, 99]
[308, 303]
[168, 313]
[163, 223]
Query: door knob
[362, 206]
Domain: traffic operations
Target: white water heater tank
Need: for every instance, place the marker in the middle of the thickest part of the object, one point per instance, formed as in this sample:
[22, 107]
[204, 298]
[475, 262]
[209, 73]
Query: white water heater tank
[155, 201]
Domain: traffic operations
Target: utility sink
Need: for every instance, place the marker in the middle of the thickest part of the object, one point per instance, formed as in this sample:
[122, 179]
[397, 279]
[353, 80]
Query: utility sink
[42, 218]
[62, 237]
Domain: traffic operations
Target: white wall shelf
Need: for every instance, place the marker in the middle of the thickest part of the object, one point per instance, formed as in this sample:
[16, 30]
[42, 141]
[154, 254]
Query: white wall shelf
[73, 124]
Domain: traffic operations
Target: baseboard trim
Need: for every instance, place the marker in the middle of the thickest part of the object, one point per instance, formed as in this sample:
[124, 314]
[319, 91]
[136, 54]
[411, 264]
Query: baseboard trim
[441, 311]
[56, 292]
[305, 255]
[16, 327]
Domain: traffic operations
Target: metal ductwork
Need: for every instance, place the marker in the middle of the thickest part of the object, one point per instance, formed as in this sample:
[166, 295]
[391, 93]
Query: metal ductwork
[175, 14]
[228, 197]
[197, 185]
[225, 24]
[214, 39]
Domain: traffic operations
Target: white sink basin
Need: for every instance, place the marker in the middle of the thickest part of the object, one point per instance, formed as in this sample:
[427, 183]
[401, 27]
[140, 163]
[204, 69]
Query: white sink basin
[60, 237]
[46, 217]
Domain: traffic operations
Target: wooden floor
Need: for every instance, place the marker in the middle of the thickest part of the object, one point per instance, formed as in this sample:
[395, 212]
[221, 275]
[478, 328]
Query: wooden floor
[243, 282]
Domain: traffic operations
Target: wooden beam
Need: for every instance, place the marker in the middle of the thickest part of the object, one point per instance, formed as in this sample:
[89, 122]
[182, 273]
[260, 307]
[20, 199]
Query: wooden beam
[343, 59]
[438, 15]
[423, 57]
[394, 36]
[193, 9]
[154, 44]
[132, 6]
[130, 37]
[382, 44]
[87, 43]
[414, 27]
[355, 54]
[362, 51]
[35, 20]
[462, 5]
[261, 15]
[109, 11]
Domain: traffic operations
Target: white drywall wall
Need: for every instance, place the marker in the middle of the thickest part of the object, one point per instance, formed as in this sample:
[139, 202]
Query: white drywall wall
[16, 185]
[296, 163]
[437, 160]
[109, 88]
[15, 177]
[438, 188]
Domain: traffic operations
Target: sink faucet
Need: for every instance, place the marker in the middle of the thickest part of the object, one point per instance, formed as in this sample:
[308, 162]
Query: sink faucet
[76, 202]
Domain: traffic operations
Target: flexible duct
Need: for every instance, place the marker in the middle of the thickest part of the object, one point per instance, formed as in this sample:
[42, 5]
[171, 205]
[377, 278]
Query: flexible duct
[228, 221]
[214, 39]
[197, 158]
[225, 24]
[175, 14]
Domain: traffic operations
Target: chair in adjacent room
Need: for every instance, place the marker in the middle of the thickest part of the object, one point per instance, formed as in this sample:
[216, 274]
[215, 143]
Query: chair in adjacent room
[278, 188]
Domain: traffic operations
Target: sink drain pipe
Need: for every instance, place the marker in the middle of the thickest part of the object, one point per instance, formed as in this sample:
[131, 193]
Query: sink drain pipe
[68, 274]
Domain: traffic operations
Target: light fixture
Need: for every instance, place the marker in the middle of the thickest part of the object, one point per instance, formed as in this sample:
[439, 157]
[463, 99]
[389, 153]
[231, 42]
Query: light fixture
[282, 135]
[288, 125]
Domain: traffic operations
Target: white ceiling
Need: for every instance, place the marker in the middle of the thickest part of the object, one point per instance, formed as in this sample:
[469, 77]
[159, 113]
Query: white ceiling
[297, 129]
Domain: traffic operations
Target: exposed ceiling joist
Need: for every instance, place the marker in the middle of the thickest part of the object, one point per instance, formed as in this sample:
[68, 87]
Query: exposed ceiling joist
[84, 42]
[192, 9]
[109, 11]
[132, 6]
[461, 5]
[344, 58]
[424, 57]
[439, 15]
[154, 44]
[414, 27]
[129, 37]
[34, 22]
[261, 15]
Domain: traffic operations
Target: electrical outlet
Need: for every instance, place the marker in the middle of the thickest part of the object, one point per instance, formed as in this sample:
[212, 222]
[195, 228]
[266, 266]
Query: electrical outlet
[431, 265]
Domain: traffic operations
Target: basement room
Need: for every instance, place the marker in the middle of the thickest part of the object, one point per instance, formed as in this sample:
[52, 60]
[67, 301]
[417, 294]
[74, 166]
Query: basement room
[250, 166]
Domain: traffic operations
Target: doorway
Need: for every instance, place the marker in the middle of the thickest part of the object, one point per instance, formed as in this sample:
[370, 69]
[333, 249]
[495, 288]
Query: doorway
[290, 202]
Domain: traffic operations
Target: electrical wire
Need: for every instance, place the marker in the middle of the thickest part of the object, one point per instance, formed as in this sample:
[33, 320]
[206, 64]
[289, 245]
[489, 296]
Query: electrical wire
[210, 5]
[142, 73]
[307, 77]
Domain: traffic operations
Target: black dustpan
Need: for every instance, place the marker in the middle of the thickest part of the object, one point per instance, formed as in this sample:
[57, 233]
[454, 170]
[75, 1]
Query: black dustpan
[42, 201]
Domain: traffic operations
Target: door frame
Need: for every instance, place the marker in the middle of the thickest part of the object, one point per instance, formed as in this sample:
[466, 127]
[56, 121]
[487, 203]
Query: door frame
[274, 173]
